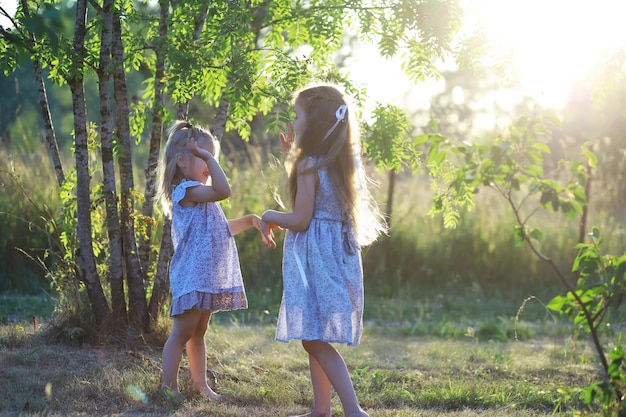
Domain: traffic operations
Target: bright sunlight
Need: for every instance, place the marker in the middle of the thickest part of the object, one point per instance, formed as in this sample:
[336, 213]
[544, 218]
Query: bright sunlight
[553, 43]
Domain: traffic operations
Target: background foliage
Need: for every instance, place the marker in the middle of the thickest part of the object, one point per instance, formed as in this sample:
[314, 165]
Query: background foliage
[482, 247]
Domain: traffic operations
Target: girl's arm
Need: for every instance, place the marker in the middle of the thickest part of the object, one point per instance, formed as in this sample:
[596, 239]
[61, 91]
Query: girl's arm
[300, 218]
[219, 188]
[243, 223]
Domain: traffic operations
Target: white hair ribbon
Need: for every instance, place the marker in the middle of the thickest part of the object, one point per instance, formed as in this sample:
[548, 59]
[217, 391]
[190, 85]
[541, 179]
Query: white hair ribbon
[340, 114]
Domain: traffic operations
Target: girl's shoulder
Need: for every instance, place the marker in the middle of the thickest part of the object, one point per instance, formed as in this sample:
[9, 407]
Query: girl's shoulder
[178, 193]
[307, 163]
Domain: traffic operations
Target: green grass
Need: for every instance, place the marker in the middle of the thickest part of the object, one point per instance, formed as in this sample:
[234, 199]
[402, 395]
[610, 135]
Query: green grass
[394, 375]
[430, 355]
[16, 308]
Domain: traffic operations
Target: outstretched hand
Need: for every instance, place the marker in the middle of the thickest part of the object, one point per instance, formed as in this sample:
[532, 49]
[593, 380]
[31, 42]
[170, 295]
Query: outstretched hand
[286, 140]
[267, 231]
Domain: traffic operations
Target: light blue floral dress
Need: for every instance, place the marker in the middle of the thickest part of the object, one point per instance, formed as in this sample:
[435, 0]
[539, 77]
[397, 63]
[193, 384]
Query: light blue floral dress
[204, 270]
[322, 276]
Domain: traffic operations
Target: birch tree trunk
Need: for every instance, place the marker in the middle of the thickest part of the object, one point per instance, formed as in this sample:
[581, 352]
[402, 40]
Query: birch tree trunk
[221, 115]
[161, 286]
[137, 304]
[51, 140]
[85, 253]
[155, 134]
[116, 268]
[219, 125]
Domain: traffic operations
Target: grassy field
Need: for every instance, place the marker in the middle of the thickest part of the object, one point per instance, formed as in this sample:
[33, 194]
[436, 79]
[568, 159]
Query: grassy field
[421, 361]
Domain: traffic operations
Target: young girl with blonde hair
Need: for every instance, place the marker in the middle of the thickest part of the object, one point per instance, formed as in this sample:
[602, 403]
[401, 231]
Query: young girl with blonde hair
[205, 275]
[332, 216]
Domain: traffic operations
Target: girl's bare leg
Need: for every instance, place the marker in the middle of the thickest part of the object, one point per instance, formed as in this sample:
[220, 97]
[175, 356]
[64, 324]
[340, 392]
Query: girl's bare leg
[196, 352]
[336, 372]
[182, 330]
[321, 390]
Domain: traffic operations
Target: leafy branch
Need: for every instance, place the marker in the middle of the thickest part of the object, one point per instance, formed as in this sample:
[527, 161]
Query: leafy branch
[513, 166]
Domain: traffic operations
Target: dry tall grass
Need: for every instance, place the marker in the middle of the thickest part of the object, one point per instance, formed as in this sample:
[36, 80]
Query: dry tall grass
[394, 375]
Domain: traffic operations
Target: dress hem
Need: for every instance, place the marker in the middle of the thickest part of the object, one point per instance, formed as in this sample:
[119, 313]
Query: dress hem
[345, 342]
[213, 302]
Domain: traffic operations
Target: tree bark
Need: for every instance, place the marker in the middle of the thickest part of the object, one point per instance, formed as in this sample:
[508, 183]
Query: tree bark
[582, 225]
[116, 267]
[85, 253]
[160, 287]
[51, 140]
[219, 125]
[137, 304]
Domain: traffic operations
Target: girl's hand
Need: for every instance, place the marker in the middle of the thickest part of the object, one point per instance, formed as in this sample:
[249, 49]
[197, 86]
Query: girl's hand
[286, 140]
[267, 231]
[195, 150]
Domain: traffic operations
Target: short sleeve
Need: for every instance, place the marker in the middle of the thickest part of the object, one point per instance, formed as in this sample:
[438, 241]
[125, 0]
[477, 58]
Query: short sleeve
[179, 191]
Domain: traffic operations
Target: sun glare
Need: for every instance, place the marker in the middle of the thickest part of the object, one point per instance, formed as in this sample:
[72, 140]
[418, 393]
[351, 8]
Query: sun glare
[9, 6]
[553, 43]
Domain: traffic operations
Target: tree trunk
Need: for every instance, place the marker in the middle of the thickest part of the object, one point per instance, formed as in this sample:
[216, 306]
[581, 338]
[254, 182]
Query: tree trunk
[219, 125]
[51, 140]
[116, 267]
[85, 253]
[582, 226]
[137, 304]
[155, 135]
[221, 116]
[161, 287]
[161, 282]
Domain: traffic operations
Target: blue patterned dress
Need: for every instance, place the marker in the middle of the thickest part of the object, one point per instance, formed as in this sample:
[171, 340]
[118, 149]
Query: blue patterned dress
[204, 271]
[322, 276]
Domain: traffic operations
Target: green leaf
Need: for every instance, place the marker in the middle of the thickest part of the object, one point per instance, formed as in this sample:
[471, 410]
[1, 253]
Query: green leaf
[541, 147]
[592, 160]
[536, 234]
[535, 171]
[520, 235]
[420, 140]
[557, 303]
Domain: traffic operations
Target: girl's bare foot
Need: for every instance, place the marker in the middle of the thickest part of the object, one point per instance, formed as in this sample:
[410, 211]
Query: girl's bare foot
[210, 394]
[360, 414]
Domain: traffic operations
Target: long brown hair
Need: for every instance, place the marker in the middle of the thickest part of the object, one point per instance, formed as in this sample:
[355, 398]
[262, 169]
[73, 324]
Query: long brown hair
[341, 155]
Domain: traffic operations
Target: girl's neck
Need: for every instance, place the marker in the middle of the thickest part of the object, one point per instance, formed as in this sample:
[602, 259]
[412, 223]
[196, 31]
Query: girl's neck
[177, 179]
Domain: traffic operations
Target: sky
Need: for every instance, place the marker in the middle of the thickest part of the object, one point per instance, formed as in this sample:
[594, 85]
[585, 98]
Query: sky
[9, 6]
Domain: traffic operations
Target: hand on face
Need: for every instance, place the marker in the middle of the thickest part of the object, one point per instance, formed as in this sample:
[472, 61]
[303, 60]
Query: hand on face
[286, 140]
[199, 151]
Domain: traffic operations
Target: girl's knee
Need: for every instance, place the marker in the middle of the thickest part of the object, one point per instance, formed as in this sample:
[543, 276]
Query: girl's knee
[200, 331]
[180, 338]
[311, 346]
